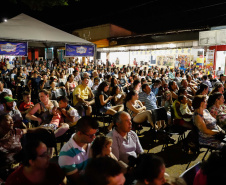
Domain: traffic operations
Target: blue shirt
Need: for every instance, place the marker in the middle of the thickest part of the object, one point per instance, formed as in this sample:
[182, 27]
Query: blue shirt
[149, 100]
[155, 90]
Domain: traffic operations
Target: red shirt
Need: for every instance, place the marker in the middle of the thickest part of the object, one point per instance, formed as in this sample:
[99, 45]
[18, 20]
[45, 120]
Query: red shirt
[24, 106]
[54, 176]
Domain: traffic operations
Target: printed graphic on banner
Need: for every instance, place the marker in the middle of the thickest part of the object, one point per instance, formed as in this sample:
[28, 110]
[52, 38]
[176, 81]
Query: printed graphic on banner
[13, 48]
[79, 50]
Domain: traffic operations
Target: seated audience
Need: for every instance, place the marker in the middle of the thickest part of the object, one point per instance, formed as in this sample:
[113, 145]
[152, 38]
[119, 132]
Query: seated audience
[43, 109]
[218, 87]
[149, 169]
[137, 110]
[9, 108]
[118, 96]
[70, 114]
[76, 152]
[103, 171]
[35, 168]
[206, 124]
[125, 142]
[184, 109]
[217, 108]
[147, 97]
[83, 98]
[103, 101]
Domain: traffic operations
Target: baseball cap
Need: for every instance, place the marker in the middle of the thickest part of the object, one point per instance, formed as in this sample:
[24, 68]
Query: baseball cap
[9, 99]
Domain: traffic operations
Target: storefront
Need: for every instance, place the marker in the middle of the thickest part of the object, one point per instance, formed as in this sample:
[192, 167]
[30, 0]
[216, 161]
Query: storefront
[215, 40]
[147, 55]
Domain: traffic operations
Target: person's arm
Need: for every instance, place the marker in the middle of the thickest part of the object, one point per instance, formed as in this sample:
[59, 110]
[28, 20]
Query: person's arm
[102, 101]
[67, 88]
[139, 149]
[199, 122]
[133, 109]
[117, 100]
[69, 117]
[42, 85]
[29, 84]
[30, 115]
[91, 95]
[174, 95]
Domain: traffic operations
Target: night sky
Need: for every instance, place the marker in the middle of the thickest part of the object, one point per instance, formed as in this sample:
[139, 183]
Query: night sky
[138, 16]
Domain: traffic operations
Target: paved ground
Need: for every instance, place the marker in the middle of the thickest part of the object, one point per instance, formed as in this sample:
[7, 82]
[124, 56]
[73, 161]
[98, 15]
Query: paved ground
[175, 159]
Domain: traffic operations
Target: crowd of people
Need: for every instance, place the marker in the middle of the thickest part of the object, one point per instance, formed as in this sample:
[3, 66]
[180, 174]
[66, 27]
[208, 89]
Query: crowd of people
[40, 100]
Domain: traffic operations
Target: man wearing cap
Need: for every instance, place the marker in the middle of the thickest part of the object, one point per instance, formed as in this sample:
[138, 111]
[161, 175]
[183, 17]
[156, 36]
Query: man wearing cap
[14, 113]
[2, 89]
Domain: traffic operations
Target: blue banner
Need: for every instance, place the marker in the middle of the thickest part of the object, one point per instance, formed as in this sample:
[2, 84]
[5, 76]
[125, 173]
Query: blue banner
[13, 48]
[79, 50]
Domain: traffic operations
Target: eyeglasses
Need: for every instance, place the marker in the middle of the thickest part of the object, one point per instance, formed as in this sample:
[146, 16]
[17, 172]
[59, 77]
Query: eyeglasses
[45, 154]
[90, 135]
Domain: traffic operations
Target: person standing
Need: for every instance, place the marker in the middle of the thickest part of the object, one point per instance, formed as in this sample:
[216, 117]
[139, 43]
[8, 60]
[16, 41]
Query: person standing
[219, 72]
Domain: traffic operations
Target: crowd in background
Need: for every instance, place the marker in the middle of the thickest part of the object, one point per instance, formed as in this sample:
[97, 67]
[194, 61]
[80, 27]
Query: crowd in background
[48, 98]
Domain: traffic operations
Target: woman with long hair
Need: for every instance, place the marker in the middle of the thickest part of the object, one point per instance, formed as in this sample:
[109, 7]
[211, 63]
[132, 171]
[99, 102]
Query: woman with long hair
[206, 124]
[118, 96]
[70, 85]
[103, 100]
[217, 108]
[203, 89]
[136, 109]
[218, 87]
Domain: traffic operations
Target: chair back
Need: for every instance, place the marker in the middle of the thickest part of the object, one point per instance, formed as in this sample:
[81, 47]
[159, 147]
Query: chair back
[189, 174]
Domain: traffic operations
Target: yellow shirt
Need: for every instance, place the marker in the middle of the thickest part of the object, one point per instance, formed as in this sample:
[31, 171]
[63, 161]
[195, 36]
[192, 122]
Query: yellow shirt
[84, 93]
[175, 111]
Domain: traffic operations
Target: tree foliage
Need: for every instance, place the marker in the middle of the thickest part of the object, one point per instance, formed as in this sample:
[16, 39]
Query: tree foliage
[40, 4]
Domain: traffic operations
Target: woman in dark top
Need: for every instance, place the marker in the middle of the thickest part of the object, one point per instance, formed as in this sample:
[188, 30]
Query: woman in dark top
[103, 100]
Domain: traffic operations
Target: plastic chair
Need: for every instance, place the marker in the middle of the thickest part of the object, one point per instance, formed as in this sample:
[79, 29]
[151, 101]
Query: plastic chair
[189, 174]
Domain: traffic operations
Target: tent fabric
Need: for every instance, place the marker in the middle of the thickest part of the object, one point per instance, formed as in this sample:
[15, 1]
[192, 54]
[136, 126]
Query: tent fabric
[26, 28]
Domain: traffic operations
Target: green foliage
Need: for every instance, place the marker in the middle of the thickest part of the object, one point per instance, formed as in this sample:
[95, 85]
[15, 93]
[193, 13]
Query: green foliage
[40, 4]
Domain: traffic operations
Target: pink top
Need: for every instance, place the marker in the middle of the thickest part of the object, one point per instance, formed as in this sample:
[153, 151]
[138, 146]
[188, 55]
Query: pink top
[200, 178]
[56, 120]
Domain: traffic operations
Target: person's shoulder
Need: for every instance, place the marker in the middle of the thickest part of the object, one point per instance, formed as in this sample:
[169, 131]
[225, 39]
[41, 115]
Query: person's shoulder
[110, 134]
[15, 177]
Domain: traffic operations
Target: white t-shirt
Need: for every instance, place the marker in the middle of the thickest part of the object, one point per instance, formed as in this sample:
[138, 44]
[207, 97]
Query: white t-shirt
[6, 90]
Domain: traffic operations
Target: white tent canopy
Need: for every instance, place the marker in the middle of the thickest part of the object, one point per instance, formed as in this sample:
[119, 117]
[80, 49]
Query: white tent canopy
[36, 33]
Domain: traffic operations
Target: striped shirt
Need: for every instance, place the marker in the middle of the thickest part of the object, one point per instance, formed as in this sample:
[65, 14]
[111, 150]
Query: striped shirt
[73, 158]
[149, 100]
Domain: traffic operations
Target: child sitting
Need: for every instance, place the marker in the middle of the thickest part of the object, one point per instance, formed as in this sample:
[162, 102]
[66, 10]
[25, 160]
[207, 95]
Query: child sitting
[56, 124]
[96, 83]
[25, 107]
[184, 109]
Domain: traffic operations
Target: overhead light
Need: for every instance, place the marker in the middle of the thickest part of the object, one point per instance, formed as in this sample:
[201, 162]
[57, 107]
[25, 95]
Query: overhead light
[5, 20]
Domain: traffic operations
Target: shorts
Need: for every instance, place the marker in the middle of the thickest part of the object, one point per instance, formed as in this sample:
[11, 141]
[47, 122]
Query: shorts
[104, 109]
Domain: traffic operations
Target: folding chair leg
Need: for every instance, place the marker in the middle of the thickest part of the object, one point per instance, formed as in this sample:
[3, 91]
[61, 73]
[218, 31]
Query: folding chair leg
[206, 153]
[188, 165]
